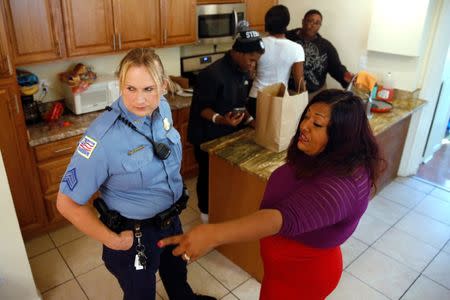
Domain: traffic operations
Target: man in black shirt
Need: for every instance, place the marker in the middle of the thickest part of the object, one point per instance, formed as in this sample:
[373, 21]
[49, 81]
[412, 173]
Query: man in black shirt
[221, 88]
[320, 55]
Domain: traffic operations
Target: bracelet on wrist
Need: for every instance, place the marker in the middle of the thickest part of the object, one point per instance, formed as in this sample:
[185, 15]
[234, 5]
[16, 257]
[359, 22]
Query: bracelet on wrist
[249, 120]
[214, 118]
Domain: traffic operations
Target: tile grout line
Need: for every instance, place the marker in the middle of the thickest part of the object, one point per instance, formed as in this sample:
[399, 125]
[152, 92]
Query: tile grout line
[423, 181]
[370, 247]
[435, 185]
[421, 274]
[211, 273]
[71, 271]
[240, 286]
[392, 226]
[365, 283]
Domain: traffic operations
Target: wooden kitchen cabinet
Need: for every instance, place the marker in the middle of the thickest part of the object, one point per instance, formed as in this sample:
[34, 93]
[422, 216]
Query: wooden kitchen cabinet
[52, 160]
[178, 21]
[35, 30]
[89, 26]
[102, 26]
[256, 10]
[189, 167]
[137, 23]
[19, 165]
[5, 61]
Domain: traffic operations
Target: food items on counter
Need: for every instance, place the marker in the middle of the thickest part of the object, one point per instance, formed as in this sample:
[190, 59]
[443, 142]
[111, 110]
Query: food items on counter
[55, 112]
[385, 94]
[380, 106]
[29, 90]
[79, 78]
[26, 78]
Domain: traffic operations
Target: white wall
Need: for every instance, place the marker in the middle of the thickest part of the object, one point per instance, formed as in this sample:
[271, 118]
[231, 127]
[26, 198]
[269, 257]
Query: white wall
[346, 24]
[16, 280]
[105, 64]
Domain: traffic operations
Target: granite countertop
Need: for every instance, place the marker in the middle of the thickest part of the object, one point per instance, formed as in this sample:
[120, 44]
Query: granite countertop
[240, 149]
[43, 132]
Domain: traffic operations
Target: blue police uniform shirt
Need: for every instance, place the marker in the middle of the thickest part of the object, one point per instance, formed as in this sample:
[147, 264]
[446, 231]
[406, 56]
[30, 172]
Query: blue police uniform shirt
[120, 163]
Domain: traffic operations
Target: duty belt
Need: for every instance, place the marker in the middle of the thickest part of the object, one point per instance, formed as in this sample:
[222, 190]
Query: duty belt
[117, 223]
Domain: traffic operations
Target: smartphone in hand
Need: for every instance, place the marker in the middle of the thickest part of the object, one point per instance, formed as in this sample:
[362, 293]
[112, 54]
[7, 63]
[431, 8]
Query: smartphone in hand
[237, 111]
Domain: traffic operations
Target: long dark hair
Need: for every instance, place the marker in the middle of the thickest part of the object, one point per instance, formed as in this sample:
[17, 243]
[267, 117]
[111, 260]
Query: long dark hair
[351, 143]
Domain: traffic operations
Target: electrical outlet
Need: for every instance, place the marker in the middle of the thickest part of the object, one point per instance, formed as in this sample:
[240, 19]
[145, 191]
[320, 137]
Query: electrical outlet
[44, 85]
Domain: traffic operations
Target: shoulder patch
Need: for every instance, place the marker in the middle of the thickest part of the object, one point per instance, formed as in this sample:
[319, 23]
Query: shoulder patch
[86, 146]
[70, 178]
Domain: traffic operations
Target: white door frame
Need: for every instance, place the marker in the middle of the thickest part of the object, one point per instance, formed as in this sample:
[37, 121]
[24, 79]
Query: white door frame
[420, 124]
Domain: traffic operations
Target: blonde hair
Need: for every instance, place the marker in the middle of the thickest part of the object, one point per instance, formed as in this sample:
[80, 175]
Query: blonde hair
[147, 58]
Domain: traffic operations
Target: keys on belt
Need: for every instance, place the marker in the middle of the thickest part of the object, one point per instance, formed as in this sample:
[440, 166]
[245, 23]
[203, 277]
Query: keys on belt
[140, 260]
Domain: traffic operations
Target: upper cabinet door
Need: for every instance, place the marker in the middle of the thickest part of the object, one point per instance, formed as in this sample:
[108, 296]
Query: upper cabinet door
[35, 30]
[137, 23]
[179, 22]
[256, 10]
[89, 26]
[5, 62]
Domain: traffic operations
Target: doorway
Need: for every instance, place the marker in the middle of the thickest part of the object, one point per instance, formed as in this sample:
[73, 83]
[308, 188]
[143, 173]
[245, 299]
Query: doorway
[436, 165]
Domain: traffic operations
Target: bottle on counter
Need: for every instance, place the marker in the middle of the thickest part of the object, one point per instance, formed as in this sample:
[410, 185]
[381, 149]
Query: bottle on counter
[386, 91]
[388, 81]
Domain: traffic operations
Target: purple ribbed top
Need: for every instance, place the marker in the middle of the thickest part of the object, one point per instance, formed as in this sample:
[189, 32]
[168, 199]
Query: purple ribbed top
[322, 211]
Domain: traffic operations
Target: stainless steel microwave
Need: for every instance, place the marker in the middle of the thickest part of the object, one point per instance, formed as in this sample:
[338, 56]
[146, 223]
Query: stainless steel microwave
[217, 22]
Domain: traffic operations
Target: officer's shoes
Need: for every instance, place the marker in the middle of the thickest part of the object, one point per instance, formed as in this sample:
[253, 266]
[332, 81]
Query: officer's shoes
[204, 297]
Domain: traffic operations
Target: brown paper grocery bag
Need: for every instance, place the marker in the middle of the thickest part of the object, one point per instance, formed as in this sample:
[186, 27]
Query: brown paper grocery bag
[277, 116]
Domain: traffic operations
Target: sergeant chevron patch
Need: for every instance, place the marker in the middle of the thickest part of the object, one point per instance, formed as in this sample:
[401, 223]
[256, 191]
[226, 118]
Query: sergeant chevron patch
[70, 178]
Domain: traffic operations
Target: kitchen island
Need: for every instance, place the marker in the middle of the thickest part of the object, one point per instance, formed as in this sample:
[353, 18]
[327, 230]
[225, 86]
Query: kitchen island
[239, 170]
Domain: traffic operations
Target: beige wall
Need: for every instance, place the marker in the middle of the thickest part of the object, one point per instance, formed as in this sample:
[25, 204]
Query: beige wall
[346, 24]
[16, 280]
[105, 64]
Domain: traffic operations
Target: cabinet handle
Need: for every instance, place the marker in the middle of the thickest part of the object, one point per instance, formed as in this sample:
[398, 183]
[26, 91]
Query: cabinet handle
[5, 63]
[17, 104]
[120, 41]
[58, 48]
[114, 41]
[165, 36]
[62, 149]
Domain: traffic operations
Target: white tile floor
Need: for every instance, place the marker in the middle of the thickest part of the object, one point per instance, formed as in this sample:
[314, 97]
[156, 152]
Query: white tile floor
[400, 250]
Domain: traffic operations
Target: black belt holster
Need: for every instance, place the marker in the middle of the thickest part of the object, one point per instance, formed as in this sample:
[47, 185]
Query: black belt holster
[117, 223]
[111, 218]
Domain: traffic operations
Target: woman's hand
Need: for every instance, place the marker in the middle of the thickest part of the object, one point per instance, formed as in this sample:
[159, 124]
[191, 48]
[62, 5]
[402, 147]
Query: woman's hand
[348, 76]
[121, 241]
[195, 243]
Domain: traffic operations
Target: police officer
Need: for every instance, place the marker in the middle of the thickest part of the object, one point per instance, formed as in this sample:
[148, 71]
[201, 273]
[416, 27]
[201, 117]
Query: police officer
[221, 87]
[131, 154]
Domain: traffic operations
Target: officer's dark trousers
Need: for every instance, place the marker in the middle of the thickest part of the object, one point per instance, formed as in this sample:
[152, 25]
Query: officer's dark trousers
[141, 284]
[202, 159]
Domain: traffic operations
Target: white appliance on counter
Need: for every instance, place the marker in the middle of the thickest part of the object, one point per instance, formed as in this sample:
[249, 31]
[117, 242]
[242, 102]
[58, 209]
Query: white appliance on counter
[103, 92]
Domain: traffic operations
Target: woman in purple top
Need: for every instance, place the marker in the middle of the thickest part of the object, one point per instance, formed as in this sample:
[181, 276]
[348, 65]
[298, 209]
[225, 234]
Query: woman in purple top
[312, 204]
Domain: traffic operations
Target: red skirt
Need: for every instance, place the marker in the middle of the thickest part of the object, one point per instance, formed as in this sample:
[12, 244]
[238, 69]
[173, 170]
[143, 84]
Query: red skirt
[295, 271]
